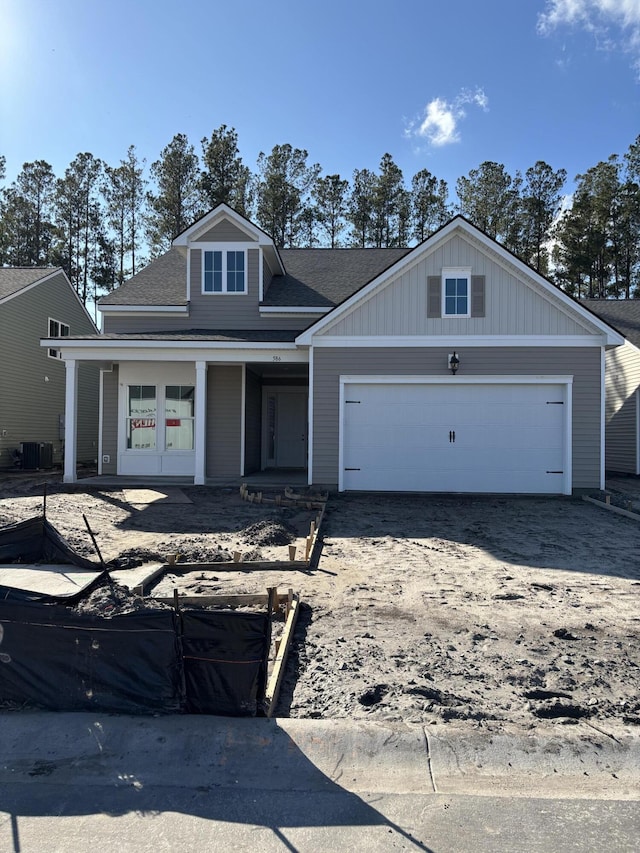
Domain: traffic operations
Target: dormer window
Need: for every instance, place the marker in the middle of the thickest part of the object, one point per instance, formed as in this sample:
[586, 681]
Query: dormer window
[456, 293]
[224, 271]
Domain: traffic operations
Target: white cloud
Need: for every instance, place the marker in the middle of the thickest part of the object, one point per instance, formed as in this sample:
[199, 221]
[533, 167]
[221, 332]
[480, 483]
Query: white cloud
[440, 120]
[615, 23]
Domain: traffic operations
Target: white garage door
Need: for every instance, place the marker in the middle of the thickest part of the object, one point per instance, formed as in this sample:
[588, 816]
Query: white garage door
[455, 437]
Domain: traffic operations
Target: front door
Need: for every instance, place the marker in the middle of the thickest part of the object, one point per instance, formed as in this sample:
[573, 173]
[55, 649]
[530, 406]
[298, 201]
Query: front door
[291, 430]
[286, 429]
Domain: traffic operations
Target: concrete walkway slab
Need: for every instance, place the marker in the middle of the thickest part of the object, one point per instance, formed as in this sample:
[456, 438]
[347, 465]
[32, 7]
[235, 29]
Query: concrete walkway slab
[55, 579]
[146, 497]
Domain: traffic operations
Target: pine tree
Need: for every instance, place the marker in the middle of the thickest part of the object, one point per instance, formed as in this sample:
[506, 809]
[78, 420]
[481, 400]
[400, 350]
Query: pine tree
[284, 183]
[225, 179]
[178, 200]
[330, 196]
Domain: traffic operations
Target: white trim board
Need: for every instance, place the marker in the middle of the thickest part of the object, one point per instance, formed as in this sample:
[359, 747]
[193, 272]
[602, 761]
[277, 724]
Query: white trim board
[459, 342]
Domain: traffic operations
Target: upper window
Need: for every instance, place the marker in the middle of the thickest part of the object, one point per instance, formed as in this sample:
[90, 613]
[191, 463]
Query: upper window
[57, 330]
[456, 293]
[224, 272]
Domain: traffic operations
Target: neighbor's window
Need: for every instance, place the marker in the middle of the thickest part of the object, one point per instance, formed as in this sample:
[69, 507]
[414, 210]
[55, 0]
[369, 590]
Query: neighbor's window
[224, 272]
[179, 414]
[141, 417]
[57, 330]
[456, 293]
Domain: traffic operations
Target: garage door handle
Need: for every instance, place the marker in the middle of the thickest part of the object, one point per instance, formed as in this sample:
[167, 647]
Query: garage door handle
[452, 436]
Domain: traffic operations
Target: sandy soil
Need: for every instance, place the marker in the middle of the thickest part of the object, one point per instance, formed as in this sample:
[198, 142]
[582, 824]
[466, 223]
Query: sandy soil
[502, 612]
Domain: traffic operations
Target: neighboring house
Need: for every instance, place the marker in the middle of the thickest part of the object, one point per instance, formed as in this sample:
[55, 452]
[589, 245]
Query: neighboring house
[622, 384]
[35, 303]
[228, 356]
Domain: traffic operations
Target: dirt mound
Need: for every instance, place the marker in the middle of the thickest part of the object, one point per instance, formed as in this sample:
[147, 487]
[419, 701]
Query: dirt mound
[268, 531]
[113, 599]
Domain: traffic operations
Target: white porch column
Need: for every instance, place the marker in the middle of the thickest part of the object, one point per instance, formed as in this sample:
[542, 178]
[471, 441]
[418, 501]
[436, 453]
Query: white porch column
[70, 421]
[201, 424]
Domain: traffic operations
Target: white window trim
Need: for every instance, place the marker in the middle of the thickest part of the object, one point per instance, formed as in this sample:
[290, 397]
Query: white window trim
[225, 248]
[51, 352]
[456, 272]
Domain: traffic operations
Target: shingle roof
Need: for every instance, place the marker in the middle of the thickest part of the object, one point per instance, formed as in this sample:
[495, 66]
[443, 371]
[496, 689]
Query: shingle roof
[162, 282]
[326, 277]
[315, 278]
[13, 279]
[622, 314]
[215, 335]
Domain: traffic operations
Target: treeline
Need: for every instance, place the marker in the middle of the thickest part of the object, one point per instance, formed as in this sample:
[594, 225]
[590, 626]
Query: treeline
[103, 223]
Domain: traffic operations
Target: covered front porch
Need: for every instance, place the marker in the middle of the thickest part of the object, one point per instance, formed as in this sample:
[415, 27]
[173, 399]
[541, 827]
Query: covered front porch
[216, 418]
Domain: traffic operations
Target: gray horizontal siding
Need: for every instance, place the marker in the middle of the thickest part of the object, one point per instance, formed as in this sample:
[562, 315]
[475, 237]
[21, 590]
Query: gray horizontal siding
[224, 413]
[582, 363]
[225, 232]
[32, 385]
[512, 307]
[232, 311]
[622, 381]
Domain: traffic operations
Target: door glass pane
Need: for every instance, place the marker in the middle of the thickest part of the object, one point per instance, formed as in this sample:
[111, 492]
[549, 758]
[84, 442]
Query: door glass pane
[141, 419]
[179, 411]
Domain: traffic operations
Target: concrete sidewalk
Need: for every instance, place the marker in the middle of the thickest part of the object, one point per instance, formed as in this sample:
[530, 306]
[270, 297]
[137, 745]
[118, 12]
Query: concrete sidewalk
[335, 784]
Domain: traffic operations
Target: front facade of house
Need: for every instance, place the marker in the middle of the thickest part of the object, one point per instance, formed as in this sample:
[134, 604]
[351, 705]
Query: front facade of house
[227, 356]
[37, 303]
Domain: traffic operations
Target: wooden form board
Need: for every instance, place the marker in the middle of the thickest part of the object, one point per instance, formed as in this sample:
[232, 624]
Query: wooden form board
[282, 650]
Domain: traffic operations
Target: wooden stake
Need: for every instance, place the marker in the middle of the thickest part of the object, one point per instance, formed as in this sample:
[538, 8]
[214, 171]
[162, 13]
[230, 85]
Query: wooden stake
[292, 552]
[237, 557]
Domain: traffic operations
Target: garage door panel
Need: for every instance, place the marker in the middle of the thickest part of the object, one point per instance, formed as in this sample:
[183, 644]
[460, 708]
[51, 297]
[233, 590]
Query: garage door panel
[463, 437]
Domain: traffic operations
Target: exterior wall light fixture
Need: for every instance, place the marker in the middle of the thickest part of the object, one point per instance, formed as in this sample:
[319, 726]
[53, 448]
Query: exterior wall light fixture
[454, 362]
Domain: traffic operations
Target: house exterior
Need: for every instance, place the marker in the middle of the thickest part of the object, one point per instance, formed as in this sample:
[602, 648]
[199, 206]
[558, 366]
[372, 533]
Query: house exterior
[622, 412]
[40, 303]
[228, 356]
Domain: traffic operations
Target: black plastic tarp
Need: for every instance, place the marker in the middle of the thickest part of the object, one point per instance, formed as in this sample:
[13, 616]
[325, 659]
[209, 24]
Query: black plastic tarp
[225, 661]
[37, 541]
[57, 658]
[199, 661]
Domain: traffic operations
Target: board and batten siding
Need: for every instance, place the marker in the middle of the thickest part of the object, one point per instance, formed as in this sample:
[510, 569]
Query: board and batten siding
[621, 411]
[512, 307]
[110, 420]
[32, 385]
[224, 414]
[583, 363]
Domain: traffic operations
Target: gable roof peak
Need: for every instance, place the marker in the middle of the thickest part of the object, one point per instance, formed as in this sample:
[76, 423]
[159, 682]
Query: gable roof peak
[215, 215]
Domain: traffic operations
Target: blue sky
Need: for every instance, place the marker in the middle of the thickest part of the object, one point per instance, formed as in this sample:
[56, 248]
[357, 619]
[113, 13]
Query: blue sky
[439, 85]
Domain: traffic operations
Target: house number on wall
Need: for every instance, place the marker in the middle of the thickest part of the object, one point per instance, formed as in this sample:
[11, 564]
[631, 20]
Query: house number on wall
[277, 358]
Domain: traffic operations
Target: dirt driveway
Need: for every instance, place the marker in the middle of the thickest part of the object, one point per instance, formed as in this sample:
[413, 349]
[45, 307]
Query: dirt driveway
[502, 612]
